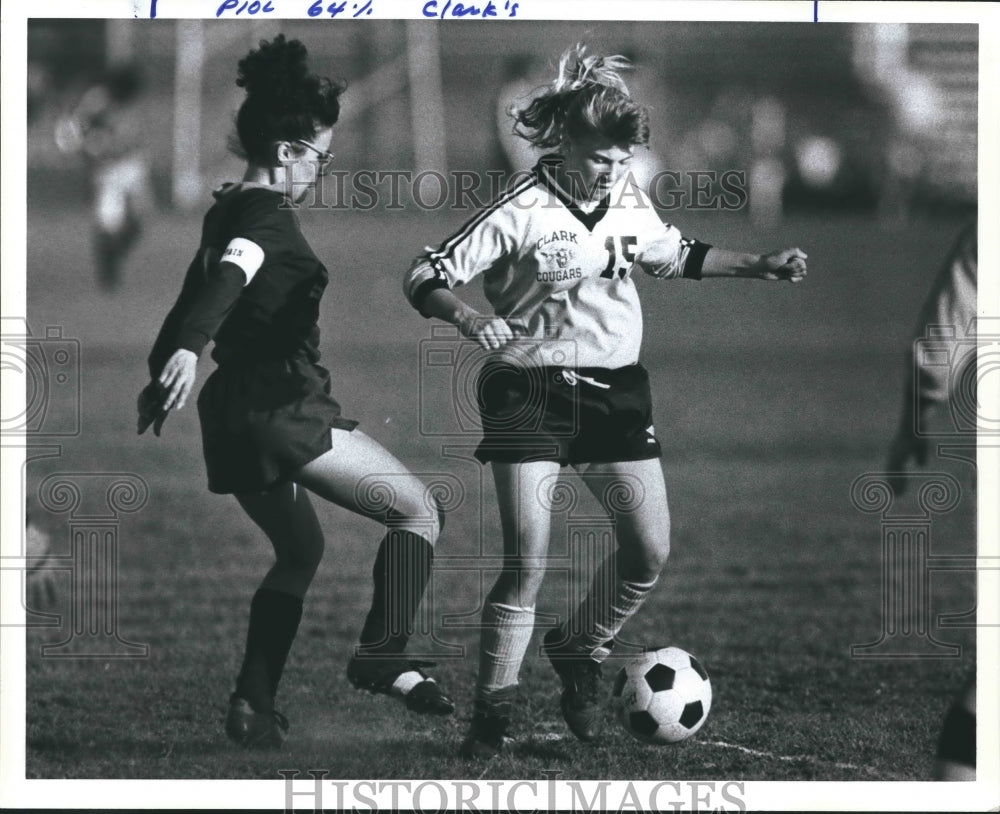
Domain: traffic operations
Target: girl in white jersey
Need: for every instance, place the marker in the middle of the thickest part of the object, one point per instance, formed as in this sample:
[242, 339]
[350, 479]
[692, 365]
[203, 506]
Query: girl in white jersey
[557, 254]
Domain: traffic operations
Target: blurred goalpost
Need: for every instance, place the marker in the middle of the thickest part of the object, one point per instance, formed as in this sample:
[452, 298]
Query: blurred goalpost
[417, 70]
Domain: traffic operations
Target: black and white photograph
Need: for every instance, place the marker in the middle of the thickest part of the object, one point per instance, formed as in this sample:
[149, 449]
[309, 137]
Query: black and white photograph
[507, 406]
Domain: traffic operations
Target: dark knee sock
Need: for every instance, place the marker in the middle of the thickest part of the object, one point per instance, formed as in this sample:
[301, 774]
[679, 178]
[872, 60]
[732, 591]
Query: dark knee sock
[274, 621]
[401, 573]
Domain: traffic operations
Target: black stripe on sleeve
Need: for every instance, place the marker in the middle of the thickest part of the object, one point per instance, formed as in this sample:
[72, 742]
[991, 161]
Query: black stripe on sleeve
[695, 258]
[421, 291]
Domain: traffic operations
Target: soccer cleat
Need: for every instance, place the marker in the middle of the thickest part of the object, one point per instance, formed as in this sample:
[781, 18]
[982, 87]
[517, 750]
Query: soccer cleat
[488, 732]
[402, 677]
[581, 679]
[255, 730]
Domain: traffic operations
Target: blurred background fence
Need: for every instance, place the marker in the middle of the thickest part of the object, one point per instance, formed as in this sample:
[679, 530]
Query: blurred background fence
[856, 117]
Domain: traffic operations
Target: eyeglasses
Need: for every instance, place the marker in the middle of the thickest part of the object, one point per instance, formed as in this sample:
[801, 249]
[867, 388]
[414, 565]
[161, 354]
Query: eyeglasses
[325, 156]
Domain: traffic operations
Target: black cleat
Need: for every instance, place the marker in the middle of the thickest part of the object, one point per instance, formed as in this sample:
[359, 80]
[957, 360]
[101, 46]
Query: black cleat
[581, 679]
[255, 730]
[487, 735]
[378, 674]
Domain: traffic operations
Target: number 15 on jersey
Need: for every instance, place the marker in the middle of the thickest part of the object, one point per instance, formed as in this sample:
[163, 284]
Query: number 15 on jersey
[621, 256]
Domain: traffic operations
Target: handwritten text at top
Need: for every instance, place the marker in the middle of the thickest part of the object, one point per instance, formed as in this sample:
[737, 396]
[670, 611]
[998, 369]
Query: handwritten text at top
[434, 9]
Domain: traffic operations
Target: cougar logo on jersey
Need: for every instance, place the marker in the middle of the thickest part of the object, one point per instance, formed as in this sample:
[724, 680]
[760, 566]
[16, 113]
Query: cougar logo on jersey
[554, 262]
[556, 252]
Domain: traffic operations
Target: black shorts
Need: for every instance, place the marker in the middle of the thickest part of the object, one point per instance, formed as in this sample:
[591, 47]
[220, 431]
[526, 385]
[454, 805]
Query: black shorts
[262, 421]
[587, 415]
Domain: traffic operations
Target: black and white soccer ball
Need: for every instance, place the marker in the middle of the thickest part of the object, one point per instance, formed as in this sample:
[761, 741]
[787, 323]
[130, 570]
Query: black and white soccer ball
[663, 696]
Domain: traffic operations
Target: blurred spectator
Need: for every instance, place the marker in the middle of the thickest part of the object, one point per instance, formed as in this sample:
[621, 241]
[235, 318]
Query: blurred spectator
[105, 129]
[767, 167]
[916, 106]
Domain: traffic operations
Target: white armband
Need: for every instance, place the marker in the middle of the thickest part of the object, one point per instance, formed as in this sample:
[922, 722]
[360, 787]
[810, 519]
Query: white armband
[246, 254]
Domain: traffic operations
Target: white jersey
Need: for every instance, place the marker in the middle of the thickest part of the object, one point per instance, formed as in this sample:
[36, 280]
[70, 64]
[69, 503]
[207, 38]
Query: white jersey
[946, 327]
[562, 276]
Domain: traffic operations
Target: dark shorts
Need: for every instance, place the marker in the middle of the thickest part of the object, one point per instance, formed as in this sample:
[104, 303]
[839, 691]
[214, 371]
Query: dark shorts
[590, 415]
[262, 421]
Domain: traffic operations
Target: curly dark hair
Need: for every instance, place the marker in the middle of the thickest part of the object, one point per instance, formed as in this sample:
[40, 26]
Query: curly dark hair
[285, 101]
[587, 98]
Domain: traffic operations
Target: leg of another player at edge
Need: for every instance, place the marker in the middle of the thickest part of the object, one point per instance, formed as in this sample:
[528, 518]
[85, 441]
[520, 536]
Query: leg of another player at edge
[634, 495]
[956, 749]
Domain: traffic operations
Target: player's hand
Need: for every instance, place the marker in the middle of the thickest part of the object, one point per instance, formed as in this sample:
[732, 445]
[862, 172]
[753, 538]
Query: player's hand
[150, 408]
[168, 392]
[490, 332]
[784, 264]
[177, 378]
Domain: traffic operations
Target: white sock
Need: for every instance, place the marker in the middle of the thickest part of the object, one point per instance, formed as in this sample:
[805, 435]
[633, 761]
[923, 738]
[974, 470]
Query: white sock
[605, 610]
[506, 634]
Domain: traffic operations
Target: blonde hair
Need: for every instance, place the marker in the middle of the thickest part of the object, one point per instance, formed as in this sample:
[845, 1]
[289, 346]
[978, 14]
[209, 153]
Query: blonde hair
[587, 98]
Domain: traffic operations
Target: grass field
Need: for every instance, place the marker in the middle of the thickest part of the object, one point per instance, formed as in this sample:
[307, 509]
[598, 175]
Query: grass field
[770, 401]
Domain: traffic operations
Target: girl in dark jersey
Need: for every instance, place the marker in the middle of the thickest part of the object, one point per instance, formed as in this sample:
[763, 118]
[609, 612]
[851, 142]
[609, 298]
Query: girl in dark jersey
[270, 428]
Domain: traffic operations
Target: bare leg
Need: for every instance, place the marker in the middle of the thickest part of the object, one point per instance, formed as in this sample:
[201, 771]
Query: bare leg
[634, 495]
[359, 474]
[509, 613]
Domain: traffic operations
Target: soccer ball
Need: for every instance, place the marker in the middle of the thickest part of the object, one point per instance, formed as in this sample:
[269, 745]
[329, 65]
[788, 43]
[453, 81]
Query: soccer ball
[663, 696]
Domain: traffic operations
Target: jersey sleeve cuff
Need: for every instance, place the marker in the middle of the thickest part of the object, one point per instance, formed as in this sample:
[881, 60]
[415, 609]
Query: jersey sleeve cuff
[422, 290]
[694, 259]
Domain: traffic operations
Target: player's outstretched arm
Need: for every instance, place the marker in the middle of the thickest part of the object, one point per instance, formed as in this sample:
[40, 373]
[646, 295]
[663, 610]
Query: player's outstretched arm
[783, 264]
